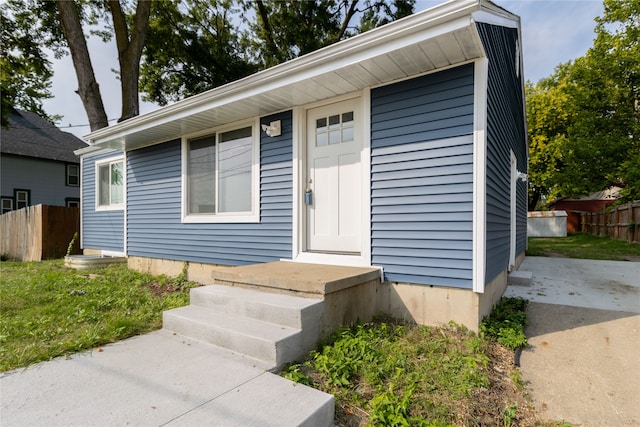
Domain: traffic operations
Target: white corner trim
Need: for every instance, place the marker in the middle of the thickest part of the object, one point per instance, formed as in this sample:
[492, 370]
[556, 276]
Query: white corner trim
[125, 241]
[481, 71]
[81, 243]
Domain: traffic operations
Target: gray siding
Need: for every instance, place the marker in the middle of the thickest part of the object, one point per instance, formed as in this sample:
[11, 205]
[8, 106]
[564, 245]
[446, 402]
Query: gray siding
[505, 132]
[422, 179]
[100, 229]
[46, 179]
[154, 208]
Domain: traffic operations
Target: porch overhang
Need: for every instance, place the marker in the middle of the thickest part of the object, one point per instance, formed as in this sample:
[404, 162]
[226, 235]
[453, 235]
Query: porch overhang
[433, 39]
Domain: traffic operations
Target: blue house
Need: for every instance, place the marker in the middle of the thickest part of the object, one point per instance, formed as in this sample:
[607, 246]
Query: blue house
[402, 149]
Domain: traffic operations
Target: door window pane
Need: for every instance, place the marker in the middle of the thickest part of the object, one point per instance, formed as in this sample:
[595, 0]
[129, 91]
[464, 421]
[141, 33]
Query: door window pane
[339, 129]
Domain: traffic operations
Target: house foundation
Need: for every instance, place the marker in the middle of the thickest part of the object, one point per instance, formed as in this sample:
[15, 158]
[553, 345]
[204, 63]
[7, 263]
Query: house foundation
[350, 294]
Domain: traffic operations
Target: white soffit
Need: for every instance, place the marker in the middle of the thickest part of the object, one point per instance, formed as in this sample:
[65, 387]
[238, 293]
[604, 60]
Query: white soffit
[434, 38]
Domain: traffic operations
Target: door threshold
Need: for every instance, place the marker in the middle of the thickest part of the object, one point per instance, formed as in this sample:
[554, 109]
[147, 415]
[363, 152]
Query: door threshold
[350, 259]
[334, 253]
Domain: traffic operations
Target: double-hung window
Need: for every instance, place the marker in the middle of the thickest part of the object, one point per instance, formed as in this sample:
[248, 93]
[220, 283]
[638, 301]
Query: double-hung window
[22, 198]
[221, 176]
[73, 175]
[110, 184]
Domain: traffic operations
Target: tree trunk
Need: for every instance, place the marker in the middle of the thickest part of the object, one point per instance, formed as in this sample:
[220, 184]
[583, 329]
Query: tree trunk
[88, 87]
[129, 53]
[534, 197]
[272, 48]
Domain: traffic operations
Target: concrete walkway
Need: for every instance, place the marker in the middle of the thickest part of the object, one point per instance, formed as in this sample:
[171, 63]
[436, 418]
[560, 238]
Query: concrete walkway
[158, 379]
[582, 365]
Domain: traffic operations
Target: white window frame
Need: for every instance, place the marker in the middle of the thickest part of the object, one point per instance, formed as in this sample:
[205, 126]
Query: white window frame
[109, 162]
[252, 216]
[27, 197]
[77, 175]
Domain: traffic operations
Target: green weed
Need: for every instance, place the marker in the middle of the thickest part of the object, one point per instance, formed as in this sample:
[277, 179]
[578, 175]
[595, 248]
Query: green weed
[403, 374]
[506, 323]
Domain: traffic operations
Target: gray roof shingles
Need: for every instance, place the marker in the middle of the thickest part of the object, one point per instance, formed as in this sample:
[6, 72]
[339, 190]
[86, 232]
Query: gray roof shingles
[30, 135]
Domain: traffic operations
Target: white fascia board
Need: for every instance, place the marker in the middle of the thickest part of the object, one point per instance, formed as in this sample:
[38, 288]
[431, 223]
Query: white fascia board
[91, 149]
[410, 30]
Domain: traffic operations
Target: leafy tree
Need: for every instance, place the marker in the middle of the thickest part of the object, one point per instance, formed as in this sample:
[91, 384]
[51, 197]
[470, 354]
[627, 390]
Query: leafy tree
[25, 71]
[196, 45]
[583, 120]
[60, 25]
[190, 49]
[283, 30]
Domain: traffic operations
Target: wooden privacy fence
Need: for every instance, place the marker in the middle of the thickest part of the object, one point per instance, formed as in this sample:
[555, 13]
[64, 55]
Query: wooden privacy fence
[39, 232]
[618, 222]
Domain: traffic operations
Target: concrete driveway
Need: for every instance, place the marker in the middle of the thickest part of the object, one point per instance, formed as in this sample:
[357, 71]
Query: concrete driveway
[583, 363]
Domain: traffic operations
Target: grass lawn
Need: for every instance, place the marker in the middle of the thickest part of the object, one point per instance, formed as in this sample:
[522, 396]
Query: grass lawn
[584, 246]
[48, 310]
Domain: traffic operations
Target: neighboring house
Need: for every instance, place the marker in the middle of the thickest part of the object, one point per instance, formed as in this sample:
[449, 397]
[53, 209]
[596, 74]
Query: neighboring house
[402, 148]
[593, 202]
[38, 164]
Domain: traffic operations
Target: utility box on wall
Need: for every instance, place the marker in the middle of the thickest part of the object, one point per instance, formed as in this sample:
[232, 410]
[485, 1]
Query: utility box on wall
[547, 224]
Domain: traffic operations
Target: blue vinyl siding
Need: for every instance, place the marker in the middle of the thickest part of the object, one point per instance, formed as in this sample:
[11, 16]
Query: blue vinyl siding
[100, 229]
[154, 208]
[422, 179]
[505, 132]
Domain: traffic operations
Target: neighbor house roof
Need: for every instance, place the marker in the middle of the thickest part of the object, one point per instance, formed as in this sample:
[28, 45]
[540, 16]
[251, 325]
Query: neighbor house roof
[436, 38]
[31, 135]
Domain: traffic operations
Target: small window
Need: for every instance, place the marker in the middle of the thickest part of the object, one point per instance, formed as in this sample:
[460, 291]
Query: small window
[22, 198]
[7, 204]
[339, 129]
[110, 184]
[72, 202]
[221, 173]
[73, 175]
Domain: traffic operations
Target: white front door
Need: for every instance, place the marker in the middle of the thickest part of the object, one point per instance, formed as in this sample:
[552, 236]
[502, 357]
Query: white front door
[334, 178]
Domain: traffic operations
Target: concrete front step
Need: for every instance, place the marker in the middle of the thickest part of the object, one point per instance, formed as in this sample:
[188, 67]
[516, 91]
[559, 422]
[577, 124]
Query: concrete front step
[285, 310]
[273, 345]
[520, 278]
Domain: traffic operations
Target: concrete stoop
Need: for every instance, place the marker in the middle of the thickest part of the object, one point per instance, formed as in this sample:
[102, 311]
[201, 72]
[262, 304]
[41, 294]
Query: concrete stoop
[520, 278]
[262, 326]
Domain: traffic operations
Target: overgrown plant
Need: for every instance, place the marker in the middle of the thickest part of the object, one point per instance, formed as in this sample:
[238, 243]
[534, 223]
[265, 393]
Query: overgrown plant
[506, 323]
[400, 374]
[71, 243]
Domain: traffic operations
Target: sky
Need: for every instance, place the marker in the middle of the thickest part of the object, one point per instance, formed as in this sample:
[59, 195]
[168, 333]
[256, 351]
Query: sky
[553, 32]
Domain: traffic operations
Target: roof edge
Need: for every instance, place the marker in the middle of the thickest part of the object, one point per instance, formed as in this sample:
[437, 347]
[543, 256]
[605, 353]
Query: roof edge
[439, 14]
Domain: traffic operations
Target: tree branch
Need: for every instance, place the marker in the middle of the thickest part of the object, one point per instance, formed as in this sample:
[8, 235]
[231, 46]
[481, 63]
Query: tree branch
[347, 17]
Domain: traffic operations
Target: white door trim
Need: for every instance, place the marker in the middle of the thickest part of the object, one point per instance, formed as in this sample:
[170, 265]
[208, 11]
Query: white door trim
[299, 173]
